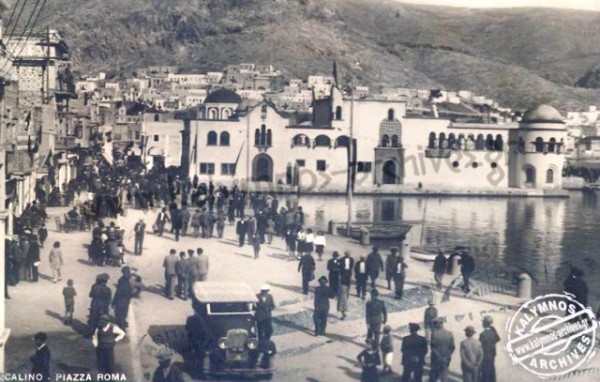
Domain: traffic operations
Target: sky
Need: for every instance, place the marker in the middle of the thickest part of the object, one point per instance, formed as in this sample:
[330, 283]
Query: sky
[593, 5]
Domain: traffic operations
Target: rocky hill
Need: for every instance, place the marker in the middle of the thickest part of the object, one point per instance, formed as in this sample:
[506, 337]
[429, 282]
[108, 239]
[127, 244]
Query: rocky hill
[519, 57]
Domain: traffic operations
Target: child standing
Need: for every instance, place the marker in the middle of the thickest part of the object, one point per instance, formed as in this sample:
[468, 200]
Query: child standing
[320, 243]
[256, 245]
[387, 349]
[69, 293]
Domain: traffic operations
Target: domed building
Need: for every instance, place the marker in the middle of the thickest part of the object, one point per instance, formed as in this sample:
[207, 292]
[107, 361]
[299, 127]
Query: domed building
[220, 105]
[537, 157]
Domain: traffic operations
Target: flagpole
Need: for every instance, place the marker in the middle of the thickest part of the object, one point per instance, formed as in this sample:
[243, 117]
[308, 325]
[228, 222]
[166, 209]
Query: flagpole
[351, 163]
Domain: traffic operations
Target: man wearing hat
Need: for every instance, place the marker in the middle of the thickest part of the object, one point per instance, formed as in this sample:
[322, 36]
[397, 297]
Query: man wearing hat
[399, 277]
[166, 371]
[431, 314]
[390, 266]
[360, 275]
[140, 230]
[169, 263]
[41, 359]
[321, 306]
[467, 266]
[122, 298]
[488, 339]
[264, 306]
[101, 298]
[334, 267]
[376, 315]
[414, 349]
[471, 356]
[307, 267]
[442, 347]
[374, 265]
[347, 266]
[104, 339]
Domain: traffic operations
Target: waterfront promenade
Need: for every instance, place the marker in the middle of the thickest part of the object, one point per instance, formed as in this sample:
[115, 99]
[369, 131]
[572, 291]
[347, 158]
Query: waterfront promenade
[301, 356]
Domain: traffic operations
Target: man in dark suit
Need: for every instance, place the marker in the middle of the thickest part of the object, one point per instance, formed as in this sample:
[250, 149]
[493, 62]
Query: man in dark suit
[169, 263]
[360, 274]
[442, 347]
[334, 267]
[414, 349]
[374, 265]
[122, 298]
[262, 314]
[376, 315]
[41, 358]
[307, 267]
[140, 230]
[241, 228]
[176, 222]
[347, 266]
[321, 306]
[161, 219]
[488, 338]
[467, 266]
[101, 296]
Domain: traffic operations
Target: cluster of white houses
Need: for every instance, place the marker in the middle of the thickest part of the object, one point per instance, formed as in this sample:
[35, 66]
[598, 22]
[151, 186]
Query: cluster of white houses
[227, 141]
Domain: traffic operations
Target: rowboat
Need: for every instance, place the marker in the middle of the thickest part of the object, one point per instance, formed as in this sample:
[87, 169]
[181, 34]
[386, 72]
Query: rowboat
[377, 231]
[591, 187]
[429, 254]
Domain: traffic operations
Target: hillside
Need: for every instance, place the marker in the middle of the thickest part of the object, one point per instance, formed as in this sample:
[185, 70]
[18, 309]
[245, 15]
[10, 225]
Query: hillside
[519, 57]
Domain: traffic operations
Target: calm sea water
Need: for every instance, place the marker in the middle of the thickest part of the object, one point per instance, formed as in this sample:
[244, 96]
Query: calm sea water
[545, 237]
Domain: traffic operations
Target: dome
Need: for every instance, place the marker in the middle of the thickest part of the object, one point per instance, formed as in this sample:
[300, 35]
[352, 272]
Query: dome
[542, 114]
[223, 96]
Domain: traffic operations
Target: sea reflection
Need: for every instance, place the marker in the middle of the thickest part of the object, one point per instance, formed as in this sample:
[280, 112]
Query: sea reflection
[541, 236]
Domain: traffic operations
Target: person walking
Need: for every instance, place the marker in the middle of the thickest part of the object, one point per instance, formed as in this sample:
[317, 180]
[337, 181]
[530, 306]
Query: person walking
[139, 231]
[334, 267]
[270, 229]
[347, 266]
[169, 264]
[201, 264]
[374, 265]
[41, 359]
[342, 298]
[56, 261]
[290, 242]
[241, 229]
[122, 298]
[33, 256]
[467, 266]
[360, 275]
[196, 222]
[399, 278]
[161, 219]
[471, 356]
[307, 267]
[321, 306]
[256, 245]
[369, 359]
[488, 339]
[387, 349]
[101, 296]
[42, 234]
[176, 222]
[442, 347]
[182, 269]
[390, 266]
[429, 317]
[320, 243]
[439, 268]
[376, 315]
[104, 339]
[414, 349]
[69, 294]
[220, 224]
[185, 216]
[263, 313]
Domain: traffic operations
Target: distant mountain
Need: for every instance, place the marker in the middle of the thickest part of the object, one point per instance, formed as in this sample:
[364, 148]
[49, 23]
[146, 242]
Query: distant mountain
[519, 57]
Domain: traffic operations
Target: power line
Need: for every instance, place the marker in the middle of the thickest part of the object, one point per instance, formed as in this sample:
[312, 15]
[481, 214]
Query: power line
[12, 13]
[10, 34]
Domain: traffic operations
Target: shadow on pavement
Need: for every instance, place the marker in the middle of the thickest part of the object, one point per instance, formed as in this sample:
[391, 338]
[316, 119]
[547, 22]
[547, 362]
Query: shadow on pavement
[156, 289]
[291, 288]
[243, 255]
[76, 325]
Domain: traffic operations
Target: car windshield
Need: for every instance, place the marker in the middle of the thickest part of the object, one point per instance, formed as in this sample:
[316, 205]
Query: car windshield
[229, 307]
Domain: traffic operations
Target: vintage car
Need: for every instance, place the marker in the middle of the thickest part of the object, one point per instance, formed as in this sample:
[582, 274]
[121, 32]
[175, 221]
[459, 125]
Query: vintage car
[227, 309]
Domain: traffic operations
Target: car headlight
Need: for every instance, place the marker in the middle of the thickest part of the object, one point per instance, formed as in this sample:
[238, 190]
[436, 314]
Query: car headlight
[252, 343]
[223, 343]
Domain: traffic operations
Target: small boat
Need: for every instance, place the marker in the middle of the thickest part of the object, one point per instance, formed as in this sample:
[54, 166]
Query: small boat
[591, 187]
[377, 231]
[429, 254]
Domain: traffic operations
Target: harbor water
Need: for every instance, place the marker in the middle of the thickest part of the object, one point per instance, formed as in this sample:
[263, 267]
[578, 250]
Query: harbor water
[541, 236]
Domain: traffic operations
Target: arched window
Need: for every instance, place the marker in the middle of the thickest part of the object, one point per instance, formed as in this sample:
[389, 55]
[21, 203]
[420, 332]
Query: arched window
[269, 138]
[551, 145]
[224, 139]
[530, 175]
[211, 138]
[498, 143]
[550, 176]
[442, 143]
[489, 142]
[390, 114]
[451, 141]
[395, 142]
[263, 135]
[323, 141]
[480, 143]
[539, 145]
[202, 113]
[213, 113]
[338, 113]
[301, 140]
[342, 141]
[470, 145]
[462, 143]
[156, 117]
[385, 140]
[432, 141]
[257, 137]
[226, 113]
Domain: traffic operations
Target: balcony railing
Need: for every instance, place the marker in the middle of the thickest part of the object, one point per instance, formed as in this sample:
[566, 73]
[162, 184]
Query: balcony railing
[438, 153]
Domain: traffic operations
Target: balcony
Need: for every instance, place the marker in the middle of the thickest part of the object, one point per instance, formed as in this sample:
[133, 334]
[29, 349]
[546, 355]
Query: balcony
[19, 162]
[65, 143]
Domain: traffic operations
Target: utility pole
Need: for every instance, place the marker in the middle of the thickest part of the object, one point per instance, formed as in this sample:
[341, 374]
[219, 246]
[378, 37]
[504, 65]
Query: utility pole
[351, 163]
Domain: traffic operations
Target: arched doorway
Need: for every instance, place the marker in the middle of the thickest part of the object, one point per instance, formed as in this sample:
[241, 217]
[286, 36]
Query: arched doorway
[389, 172]
[262, 168]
